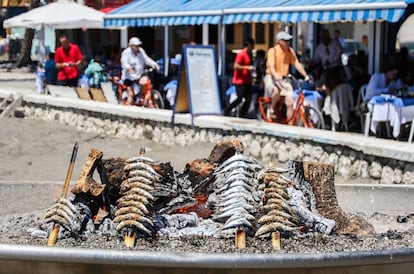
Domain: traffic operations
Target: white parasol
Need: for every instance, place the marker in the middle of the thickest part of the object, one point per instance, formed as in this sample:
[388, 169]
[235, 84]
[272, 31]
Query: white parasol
[63, 14]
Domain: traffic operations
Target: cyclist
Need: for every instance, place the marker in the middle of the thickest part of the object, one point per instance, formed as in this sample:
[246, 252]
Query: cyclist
[279, 58]
[133, 62]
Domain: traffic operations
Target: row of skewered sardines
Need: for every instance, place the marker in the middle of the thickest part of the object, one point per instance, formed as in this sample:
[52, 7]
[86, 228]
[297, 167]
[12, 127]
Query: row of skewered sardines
[253, 198]
[241, 194]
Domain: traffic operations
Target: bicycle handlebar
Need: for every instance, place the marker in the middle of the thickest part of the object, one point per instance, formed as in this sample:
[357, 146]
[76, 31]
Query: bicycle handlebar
[291, 77]
[297, 83]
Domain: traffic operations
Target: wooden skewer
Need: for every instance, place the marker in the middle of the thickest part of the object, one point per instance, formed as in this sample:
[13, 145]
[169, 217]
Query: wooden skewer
[129, 238]
[56, 227]
[240, 238]
[276, 240]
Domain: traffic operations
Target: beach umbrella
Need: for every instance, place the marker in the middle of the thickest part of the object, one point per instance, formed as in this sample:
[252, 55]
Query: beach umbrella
[63, 14]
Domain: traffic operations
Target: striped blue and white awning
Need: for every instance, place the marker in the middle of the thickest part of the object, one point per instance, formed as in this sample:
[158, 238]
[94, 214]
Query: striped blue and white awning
[165, 12]
[321, 11]
[195, 12]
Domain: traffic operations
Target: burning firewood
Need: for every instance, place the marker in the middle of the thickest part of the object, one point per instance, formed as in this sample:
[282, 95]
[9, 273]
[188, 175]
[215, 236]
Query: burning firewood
[86, 184]
[138, 197]
[113, 175]
[321, 177]
[90, 192]
[224, 150]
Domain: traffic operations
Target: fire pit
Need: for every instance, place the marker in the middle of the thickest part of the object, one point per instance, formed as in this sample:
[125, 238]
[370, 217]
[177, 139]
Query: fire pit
[212, 209]
[29, 259]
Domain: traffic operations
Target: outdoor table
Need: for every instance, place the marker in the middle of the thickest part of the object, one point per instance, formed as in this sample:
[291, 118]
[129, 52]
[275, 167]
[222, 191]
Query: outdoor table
[338, 104]
[392, 109]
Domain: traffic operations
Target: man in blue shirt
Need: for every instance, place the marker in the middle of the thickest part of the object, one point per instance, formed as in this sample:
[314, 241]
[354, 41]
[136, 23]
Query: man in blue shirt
[383, 83]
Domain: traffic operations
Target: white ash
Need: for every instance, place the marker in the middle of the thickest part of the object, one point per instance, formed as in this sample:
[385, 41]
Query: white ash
[303, 201]
[17, 229]
[204, 228]
[180, 221]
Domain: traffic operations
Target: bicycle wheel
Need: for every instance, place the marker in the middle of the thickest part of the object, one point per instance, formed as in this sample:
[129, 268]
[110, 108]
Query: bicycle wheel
[156, 99]
[313, 118]
[264, 107]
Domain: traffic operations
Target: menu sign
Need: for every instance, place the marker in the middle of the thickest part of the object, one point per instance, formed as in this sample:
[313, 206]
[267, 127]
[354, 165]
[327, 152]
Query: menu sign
[198, 91]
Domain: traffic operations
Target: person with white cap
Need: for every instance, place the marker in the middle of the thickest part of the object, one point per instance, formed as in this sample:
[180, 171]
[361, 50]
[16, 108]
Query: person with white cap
[133, 61]
[279, 59]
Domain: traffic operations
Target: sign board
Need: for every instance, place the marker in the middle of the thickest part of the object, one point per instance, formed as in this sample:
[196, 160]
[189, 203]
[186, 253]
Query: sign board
[197, 90]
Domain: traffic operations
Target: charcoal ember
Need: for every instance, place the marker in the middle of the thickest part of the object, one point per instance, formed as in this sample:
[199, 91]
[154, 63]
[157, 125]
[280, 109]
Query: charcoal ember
[180, 221]
[108, 228]
[199, 169]
[168, 185]
[177, 204]
[402, 219]
[393, 234]
[197, 173]
[113, 168]
[224, 150]
[85, 210]
[165, 170]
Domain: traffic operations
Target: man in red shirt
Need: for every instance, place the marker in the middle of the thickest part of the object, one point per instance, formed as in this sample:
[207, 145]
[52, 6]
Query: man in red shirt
[67, 57]
[242, 79]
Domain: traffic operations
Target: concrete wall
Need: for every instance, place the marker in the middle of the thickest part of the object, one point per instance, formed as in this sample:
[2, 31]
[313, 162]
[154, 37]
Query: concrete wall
[356, 158]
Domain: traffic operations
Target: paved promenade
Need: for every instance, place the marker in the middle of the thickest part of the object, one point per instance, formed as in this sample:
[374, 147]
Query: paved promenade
[17, 74]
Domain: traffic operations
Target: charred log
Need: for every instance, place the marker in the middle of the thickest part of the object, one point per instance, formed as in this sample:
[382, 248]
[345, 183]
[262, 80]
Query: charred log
[113, 171]
[321, 177]
[198, 173]
[86, 184]
[86, 189]
[224, 150]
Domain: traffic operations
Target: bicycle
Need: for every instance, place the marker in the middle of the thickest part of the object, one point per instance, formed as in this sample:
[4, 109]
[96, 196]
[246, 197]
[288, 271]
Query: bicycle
[147, 97]
[303, 114]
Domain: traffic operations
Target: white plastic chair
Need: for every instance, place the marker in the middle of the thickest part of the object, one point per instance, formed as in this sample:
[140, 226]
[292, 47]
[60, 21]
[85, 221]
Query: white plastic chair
[364, 124]
[410, 136]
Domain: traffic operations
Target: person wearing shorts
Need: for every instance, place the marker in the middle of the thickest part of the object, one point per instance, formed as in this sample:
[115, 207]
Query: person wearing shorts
[279, 59]
[133, 62]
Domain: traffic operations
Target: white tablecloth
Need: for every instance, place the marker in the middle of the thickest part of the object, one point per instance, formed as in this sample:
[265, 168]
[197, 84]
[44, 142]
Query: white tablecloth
[339, 103]
[395, 115]
[312, 98]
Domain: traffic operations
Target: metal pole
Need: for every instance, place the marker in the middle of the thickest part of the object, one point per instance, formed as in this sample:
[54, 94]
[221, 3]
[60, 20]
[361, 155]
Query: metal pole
[222, 50]
[205, 34]
[166, 50]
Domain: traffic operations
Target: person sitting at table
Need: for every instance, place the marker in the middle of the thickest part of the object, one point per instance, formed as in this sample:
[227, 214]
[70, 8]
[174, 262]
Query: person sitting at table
[408, 82]
[386, 82]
